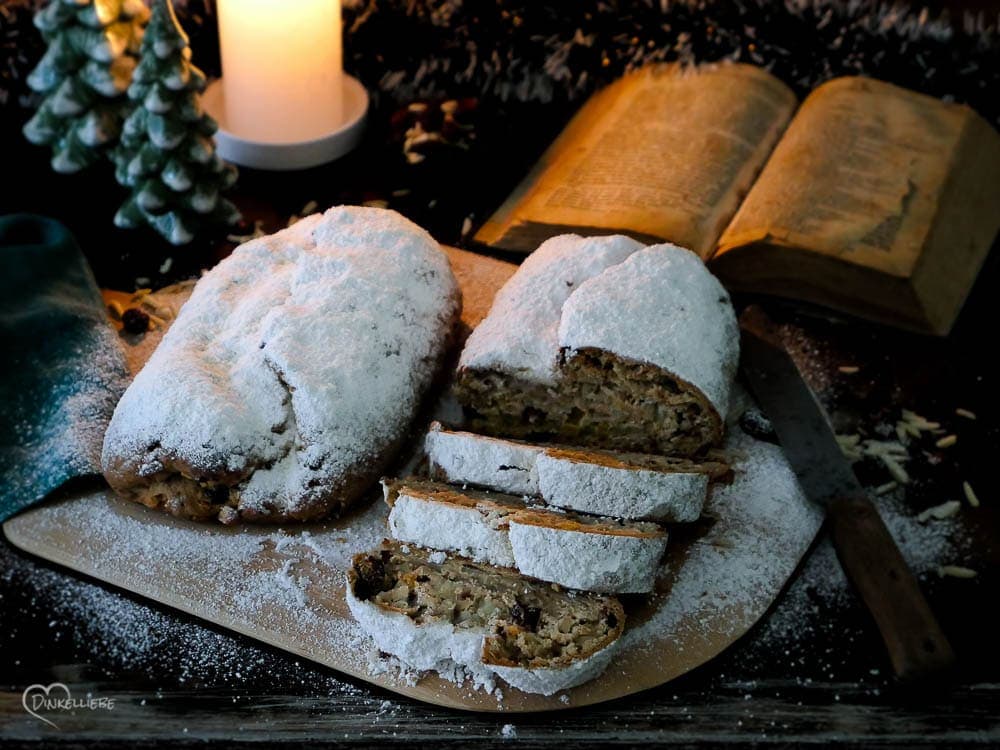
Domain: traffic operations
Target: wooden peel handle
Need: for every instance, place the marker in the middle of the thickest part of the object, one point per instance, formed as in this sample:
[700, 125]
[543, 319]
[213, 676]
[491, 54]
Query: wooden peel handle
[916, 644]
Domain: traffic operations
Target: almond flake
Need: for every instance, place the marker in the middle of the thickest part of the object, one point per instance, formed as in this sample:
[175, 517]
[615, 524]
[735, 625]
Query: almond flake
[970, 495]
[955, 571]
[940, 512]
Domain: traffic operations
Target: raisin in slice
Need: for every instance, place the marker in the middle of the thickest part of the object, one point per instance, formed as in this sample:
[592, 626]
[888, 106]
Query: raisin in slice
[372, 577]
[525, 617]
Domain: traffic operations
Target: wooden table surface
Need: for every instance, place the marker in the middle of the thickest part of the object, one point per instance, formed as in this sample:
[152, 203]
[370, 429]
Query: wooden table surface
[813, 672]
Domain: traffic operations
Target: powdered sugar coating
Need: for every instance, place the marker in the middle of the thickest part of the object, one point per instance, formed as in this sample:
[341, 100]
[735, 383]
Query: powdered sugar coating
[520, 336]
[630, 492]
[660, 306]
[464, 457]
[613, 564]
[520, 468]
[544, 548]
[294, 366]
[445, 526]
[439, 645]
[430, 645]
[551, 681]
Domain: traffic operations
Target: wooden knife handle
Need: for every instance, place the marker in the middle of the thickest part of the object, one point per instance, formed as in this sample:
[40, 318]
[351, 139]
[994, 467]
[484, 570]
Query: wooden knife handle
[916, 644]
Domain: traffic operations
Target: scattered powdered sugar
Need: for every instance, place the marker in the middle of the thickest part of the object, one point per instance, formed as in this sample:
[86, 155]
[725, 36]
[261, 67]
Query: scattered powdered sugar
[762, 526]
[288, 581]
[508, 731]
[282, 587]
[819, 617]
[270, 580]
[296, 362]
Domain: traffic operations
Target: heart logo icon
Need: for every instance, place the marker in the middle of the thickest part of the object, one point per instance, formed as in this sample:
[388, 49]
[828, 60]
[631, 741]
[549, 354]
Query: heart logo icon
[37, 696]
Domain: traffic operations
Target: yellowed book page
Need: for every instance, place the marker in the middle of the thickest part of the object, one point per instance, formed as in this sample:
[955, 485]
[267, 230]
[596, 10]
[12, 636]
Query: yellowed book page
[662, 153]
[857, 176]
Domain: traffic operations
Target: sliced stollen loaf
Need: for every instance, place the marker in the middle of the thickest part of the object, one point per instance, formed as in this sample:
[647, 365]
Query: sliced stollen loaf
[602, 342]
[572, 549]
[290, 376]
[435, 614]
[618, 484]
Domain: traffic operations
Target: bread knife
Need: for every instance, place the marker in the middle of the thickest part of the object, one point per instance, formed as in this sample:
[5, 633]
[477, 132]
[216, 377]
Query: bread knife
[916, 644]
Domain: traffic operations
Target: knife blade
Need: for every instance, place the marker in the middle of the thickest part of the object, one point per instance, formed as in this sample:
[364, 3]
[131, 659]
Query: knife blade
[873, 563]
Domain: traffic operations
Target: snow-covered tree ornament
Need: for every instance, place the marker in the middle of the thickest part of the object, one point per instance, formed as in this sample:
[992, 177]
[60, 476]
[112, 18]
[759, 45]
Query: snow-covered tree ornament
[166, 154]
[83, 76]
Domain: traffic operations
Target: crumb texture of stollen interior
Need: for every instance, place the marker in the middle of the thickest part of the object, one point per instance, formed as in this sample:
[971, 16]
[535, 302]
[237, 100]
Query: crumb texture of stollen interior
[436, 614]
[290, 376]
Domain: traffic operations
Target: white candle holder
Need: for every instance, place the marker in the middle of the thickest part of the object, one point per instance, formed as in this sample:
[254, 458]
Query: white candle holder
[289, 155]
[283, 101]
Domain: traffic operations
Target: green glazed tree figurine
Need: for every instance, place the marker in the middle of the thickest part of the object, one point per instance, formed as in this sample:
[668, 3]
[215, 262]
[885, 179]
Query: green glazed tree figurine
[83, 76]
[166, 155]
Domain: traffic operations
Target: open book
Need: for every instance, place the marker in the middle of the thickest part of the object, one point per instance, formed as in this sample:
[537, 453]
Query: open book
[867, 198]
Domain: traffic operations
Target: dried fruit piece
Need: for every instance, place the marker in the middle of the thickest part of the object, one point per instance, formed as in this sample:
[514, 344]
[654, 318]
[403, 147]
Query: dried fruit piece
[135, 320]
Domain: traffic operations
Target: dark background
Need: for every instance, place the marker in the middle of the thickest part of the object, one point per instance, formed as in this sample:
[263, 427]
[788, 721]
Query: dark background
[815, 670]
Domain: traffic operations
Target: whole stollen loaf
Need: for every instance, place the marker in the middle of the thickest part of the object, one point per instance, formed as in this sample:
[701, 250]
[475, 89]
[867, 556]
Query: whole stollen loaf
[604, 342]
[290, 376]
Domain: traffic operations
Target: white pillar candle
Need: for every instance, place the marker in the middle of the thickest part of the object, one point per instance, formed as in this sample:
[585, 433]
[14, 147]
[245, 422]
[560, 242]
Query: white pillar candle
[282, 68]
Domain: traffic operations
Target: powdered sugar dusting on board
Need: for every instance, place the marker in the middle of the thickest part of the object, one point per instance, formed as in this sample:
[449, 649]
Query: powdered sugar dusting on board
[260, 577]
[296, 362]
[763, 524]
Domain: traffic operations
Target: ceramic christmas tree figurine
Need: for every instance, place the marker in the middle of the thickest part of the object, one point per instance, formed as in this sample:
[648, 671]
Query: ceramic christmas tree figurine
[166, 155]
[84, 75]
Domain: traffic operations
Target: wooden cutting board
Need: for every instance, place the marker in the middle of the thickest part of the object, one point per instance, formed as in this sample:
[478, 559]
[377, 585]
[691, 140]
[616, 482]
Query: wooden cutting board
[284, 586]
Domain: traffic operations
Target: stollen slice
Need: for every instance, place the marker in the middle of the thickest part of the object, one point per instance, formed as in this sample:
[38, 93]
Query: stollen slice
[618, 484]
[591, 553]
[436, 613]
